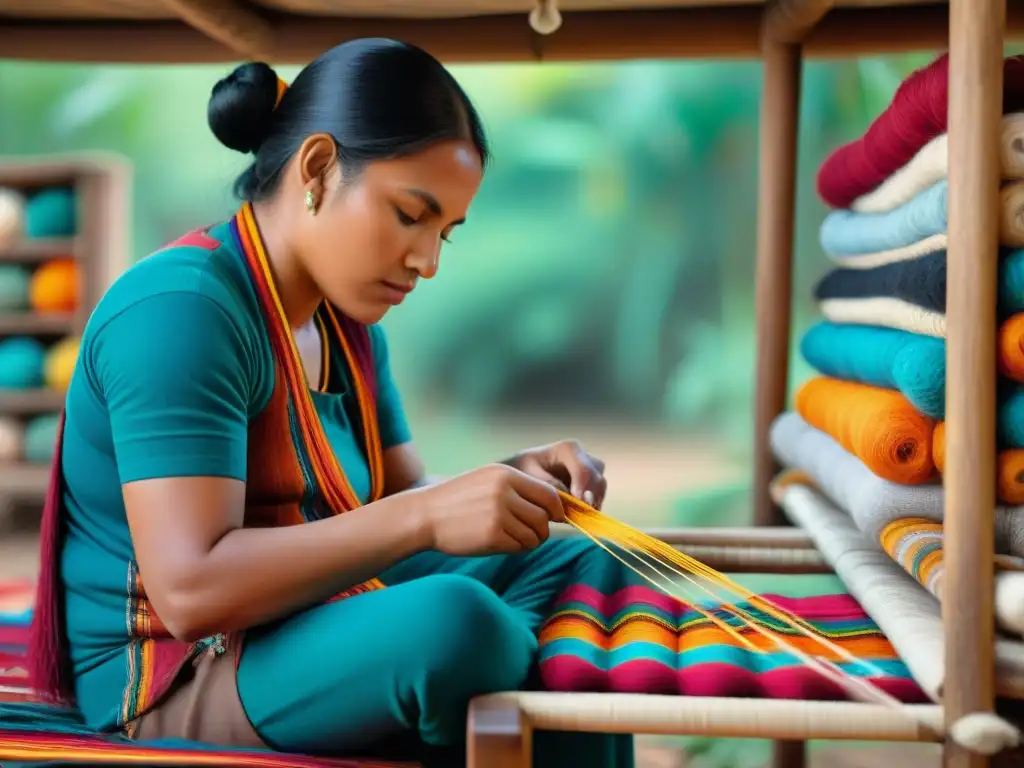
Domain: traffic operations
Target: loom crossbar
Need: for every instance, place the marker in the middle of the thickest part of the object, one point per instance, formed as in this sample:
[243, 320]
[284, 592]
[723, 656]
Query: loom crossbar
[719, 717]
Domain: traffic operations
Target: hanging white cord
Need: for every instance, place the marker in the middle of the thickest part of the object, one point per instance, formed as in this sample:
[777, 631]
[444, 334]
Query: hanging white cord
[545, 18]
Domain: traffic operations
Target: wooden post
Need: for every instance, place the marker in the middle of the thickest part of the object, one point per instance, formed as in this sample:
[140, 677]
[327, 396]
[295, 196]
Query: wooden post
[776, 213]
[498, 735]
[975, 105]
[776, 210]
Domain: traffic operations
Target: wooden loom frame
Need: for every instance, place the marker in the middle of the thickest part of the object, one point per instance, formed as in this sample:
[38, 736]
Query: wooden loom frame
[782, 33]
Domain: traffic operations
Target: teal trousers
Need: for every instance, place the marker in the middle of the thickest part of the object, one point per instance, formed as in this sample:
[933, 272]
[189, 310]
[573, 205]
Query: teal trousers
[391, 673]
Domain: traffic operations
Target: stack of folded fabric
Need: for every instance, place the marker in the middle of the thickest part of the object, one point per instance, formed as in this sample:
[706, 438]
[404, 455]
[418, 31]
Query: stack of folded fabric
[875, 413]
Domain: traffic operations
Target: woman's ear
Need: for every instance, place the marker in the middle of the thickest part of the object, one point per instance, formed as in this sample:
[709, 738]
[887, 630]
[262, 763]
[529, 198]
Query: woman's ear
[317, 156]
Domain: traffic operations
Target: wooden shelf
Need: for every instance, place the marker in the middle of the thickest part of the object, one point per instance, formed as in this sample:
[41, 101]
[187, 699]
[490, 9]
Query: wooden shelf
[101, 185]
[39, 251]
[31, 402]
[21, 481]
[27, 324]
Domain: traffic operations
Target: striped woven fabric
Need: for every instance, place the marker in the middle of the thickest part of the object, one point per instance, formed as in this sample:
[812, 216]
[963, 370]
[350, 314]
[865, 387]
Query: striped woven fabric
[917, 545]
[638, 640]
[32, 732]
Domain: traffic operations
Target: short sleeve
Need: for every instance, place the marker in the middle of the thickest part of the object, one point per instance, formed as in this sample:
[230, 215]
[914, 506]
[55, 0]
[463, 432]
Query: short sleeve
[175, 374]
[391, 417]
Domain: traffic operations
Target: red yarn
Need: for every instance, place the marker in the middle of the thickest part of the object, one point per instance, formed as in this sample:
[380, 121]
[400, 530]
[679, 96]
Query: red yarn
[916, 115]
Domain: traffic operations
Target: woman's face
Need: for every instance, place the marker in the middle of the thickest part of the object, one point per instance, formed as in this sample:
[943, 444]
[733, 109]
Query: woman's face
[375, 236]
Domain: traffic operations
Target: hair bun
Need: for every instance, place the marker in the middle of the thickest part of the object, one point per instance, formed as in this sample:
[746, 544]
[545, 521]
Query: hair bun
[242, 106]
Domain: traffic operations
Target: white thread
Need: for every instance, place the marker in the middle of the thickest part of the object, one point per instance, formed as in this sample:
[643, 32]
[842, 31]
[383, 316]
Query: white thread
[984, 733]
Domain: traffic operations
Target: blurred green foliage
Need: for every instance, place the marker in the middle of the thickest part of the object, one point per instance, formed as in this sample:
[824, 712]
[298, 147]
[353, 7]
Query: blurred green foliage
[607, 267]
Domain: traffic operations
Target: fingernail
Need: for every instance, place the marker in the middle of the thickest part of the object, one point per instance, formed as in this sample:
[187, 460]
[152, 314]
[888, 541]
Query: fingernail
[588, 497]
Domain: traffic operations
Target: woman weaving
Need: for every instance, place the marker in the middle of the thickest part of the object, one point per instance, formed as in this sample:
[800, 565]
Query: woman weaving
[233, 397]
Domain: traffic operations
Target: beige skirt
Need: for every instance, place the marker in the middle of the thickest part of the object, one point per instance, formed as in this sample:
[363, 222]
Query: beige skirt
[204, 706]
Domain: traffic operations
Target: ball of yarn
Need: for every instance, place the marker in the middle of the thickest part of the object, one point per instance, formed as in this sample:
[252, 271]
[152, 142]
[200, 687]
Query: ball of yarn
[54, 286]
[21, 363]
[51, 213]
[60, 363]
[14, 284]
[41, 438]
[12, 435]
[1011, 347]
[12, 216]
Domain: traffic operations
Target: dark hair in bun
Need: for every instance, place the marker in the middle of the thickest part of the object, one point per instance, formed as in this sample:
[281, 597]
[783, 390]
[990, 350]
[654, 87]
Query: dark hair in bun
[378, 98]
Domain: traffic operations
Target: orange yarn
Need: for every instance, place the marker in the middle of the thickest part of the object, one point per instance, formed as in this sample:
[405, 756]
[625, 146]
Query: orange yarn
[1010, 352]
[54, 286]
[878, 426]
[1009, 467]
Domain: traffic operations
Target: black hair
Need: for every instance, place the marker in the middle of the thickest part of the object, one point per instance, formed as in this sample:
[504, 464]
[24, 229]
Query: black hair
[380, 99]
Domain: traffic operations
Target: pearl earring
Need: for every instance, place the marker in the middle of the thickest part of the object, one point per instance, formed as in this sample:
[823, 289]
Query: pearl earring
[310, 203]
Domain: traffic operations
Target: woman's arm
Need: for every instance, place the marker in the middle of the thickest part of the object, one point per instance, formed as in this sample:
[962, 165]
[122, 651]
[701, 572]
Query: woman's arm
[204, 573]
[180, 374]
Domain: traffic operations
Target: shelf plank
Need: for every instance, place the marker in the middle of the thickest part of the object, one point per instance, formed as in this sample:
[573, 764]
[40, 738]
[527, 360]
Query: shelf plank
[28, 324]
[39, 251]
[21, 481]
[30, 402]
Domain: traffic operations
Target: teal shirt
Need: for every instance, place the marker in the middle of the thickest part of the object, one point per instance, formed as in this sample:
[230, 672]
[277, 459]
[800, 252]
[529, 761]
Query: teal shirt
[174, 364]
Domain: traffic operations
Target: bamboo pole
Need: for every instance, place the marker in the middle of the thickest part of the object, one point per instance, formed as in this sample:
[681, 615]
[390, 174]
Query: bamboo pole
[776, 192]
[975, 105]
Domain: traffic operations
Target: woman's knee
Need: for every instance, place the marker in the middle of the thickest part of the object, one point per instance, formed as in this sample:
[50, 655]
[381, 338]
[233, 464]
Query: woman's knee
[469, 637]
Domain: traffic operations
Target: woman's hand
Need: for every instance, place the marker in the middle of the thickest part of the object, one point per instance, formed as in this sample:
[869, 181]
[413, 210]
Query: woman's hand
[566, 466]
[496, 509]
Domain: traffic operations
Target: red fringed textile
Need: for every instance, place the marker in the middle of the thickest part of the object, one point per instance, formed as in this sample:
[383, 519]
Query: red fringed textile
[917, 114]
[49, 667]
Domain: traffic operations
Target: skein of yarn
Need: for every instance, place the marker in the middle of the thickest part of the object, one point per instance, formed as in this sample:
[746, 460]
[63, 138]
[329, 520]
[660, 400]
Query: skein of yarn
[21, 363]
[60, 363]
[916, 115]
[878, 426]
[54, 287]
[51, 213]
[14, 287]
[12, 216]
[41, 438]
[12, 437]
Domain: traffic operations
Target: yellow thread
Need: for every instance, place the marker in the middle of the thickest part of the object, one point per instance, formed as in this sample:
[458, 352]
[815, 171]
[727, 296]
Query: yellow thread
[597, 527]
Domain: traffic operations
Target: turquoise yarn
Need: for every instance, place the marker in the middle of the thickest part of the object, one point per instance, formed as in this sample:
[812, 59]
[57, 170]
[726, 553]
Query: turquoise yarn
[891, 358]
[21, 363]
[910, 363]
[41, 439]
[14, 285]
[1011, 282]
[51, 213]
